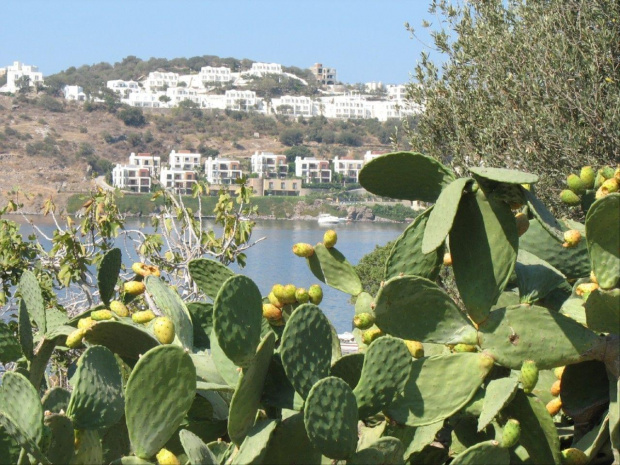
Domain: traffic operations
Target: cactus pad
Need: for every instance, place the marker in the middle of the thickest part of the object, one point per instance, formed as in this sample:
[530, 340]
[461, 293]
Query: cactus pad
[31, 295]
[603, 240]
[209, 275]
[27, 444]
[486, 452]
[107, 276]
[544, 216]
[504, 175]
[442, 215]
[125, 339]
[349, 368]
[225, 366]
[306, 347]
[25, 337]
[439, 386]
[535, 277]
[10, 348]
[237, 316]
[246, 399]
[174, 308]
[384, 373]
[603, 311]
[407, 257]
[290, 444]
[97, 398]
[483, 244]
[330, 417]
[153, 415]
[60, 450]
[417, 309]
[254, 446]
[405, 176]
[202, 322]
[56, 399]
[498, 393]
[332, 268]
[20, 403]
[197, 451]
[90, 450]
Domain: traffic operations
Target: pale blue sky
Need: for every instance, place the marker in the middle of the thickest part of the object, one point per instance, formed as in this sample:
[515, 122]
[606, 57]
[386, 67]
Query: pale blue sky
[365, 40]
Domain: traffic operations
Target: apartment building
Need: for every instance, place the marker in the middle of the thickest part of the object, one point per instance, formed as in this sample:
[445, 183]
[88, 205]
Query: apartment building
[146, 99]
[241, 100]
[74, 93]
[146, 161]
[348, 168]
[178, 180]
[313, 170]
[348, 106]
[132, 178]
[222, 171]
[123, 88]
[184, 159]
[16, 72]
[324, 75]
[397, 92]
[294, 105]
[269, 165]
[260, 69]
[285, 187]
[211, 74]
[180, 94]
[157, 80]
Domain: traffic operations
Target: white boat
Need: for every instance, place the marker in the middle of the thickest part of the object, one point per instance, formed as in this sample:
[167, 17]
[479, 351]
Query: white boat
[326, 218]
[347, 343]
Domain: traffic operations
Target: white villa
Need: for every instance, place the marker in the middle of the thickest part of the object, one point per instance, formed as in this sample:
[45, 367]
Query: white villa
[311, 169]
[74, 93]
[345, 106]
[348, 167]
[260, 69]
[242, 100]
[123, 88]
[294, 105]
[209, 74]
[269, 165]
[184, 159]
[222, 170]
[16, 71]
[158, 80]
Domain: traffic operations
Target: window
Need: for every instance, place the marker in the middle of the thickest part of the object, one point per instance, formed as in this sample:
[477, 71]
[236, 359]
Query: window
[282, 185]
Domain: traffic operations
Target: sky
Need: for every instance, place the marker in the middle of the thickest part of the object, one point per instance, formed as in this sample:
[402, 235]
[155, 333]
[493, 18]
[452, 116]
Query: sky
[365, 40]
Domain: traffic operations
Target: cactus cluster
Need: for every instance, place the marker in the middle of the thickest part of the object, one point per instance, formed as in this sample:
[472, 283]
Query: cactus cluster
[524, 369]
[590, 185]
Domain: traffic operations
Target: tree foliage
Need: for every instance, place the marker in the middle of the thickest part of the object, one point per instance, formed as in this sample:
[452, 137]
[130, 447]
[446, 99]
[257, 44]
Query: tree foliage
[528, 85]
[370, 267]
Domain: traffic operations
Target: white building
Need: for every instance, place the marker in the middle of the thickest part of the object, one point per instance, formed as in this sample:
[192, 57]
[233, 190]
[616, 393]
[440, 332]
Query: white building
[260, 69]
[348, 168]
[349, 106]
[269, 165]
[184, 160]
[370, 155]
[17, 71]
[74, 93]
[178, 180]
[210, 74]
[147, 161]
[242, 100]
[158, 80]
[294, 105]
[222, 170]
[147, 99]
[397, 92]
[179, 94]
[138, 175]
[373, 86]
[311, 169]
[123, 88]
[324, 75]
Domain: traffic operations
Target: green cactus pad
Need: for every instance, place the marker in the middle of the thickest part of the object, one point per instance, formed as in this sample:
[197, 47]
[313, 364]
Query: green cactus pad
[31, 295]
[544, 216]
[558, 340]
[498, 393]
[535, 277]
[330, 416]
[209, 275]
[225, 366]
[603, 311]
[10, 348]
[20, 402]
[572, 262]
[332, 268]
[385, 371]
[349, 368]
[131, 460]
[407, 257]
[197, 451]
[125, 339]
[25, 336]
[290, 444]
[405, 176]
[603, 240]
[13, 429]
[483, 244]
[202, 322]
[254, 446]
[152, 414]
[54, 319]
[504, 175]
[90, 451]
[592, 442]
[174, 308]
[391, 449]
[237, 315]
[423, 436]
[278, 391]
[60, 450]
[9, 448]
[107, 276]
[442, 215]
[483, 453]
[306, 347]
[417, 309]
[538, 433]
[115, 442]
[56, 399]
[584, 388]
[246, 399]
[97, 398]
[438, 387]
[368, 456]
[614, 413]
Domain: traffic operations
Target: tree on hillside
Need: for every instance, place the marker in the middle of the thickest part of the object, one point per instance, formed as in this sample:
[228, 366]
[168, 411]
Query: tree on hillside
[297, 151]
[529, 85]
[132, 116]
[292, 137]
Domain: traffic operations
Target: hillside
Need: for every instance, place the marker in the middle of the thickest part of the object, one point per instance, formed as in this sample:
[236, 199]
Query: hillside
[50, 147]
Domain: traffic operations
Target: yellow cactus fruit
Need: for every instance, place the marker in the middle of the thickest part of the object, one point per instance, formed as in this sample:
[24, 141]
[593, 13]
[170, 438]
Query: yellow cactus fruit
[165, 457]
[330, 238]
[271, 312]
[558, 372]
[102, 315]
[278, 291]
[523, 223]
[301, 249]
[74, 339]
[163, 328]
[593, 278]
[119, 308]
[572, 237]
[288, 294]
[555, 388]
[575, 184]
[316, 294]
[587, 176]
[609, 186]
[371, 334]
[85, 323]
[607, 172]
[143, 269]
[301, 295]
[447, 259]
[143, 316]
[273, 300]
[134, 287]
[464, 348]
[584, 289]
[574, 456]
[617, 174]
[570, 198]
[416, 349]
[554, 406]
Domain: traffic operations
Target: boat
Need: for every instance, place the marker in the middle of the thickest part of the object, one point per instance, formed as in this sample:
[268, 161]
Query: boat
[326, 218]
[347, 343]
